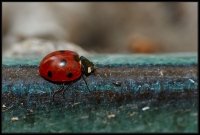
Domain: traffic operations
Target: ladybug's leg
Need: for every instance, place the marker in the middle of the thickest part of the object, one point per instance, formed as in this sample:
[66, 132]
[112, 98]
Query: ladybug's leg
[58, 91]
[63, 92]
[85, 82]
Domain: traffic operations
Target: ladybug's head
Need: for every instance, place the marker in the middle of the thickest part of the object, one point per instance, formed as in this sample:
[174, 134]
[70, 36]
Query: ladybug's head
[87, 66]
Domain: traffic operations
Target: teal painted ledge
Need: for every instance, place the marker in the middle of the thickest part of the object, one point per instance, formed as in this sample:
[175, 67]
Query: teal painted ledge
[116, 60]
[118, 77]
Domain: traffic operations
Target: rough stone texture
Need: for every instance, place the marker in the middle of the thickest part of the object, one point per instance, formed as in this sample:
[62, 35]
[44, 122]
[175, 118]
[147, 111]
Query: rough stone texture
[130, 93]
[118, 78]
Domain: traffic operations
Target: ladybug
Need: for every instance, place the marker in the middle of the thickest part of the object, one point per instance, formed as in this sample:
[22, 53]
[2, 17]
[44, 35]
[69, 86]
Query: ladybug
[65, 67]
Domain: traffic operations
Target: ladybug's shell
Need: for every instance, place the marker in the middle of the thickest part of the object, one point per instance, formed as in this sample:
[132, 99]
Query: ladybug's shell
[61, 67]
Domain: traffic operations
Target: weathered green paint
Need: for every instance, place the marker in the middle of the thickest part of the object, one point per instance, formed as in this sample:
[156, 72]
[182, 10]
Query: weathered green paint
[137, 74]
[166, 84]
[180, 116]
[122, 60]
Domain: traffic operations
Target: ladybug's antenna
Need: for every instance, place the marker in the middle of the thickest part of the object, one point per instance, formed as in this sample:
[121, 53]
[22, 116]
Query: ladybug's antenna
[85, 82]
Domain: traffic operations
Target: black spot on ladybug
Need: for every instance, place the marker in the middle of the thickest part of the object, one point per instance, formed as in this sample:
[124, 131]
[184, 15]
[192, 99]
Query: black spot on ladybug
[69, 75]
[49, 74]
[62, 51]
[63, 63]
[76, 58]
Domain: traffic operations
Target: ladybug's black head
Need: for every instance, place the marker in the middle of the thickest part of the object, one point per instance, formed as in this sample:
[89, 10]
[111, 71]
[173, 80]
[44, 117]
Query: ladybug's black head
[87, 66]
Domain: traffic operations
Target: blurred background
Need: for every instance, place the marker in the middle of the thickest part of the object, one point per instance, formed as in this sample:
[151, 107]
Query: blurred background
[34, 29]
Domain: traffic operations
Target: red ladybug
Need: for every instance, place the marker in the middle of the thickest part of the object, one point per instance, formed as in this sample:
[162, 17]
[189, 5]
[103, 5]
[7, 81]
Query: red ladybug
[65, 67]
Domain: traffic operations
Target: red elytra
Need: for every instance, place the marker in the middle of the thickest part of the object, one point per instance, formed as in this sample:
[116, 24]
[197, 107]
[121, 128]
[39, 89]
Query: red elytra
[65, 66]
[62, 66]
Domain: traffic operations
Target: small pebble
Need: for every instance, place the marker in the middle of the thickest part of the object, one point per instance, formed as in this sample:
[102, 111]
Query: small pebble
[76, 104]
[105, 75]
[14, 118]
[111, 116]
[145, 108]
[4, 106]
[192, 81]
[117, 83]
[161, 73]
[132, 114]
[84, 117]
[194, 114]
[30, 110]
